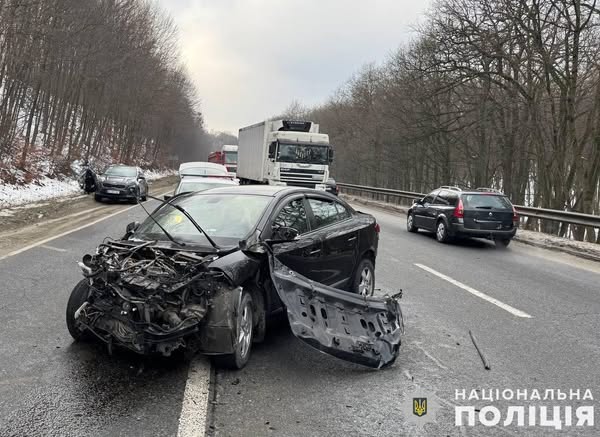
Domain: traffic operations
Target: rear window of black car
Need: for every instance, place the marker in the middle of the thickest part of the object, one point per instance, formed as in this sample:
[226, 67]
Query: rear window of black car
[486, 201]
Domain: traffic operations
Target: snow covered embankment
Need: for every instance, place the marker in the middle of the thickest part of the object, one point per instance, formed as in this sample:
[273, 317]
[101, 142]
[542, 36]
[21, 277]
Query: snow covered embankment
[46, 188]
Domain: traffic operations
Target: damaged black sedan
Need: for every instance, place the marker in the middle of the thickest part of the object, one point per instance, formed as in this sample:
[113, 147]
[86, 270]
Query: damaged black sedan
[206, 270]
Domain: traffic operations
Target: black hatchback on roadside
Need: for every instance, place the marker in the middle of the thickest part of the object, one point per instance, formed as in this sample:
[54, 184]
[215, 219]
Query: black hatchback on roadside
[453, 213]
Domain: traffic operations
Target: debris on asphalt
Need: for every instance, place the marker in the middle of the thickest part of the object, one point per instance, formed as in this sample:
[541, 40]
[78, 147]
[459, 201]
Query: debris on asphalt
[486, 363]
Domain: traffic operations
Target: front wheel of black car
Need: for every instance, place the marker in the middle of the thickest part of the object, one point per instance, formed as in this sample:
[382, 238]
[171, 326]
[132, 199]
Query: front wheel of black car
[502, 243]
[364, 278]
[441, 232]
[410, 223]
[244, 334]
[78, 296]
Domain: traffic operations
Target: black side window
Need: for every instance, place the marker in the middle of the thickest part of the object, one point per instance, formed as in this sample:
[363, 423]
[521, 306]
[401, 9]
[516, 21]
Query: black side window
[292, 215]
[324, 212]
[342, 211]
[428, 199]
[442, 198]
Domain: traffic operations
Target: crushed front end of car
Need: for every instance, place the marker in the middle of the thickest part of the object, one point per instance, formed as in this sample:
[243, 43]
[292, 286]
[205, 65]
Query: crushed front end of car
[156, 300]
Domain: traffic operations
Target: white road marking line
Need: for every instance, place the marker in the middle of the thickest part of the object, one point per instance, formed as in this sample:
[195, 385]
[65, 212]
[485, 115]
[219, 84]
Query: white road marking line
[194, 409]
[431, 357]
[57, 249]
[78, 228]
[505, 307]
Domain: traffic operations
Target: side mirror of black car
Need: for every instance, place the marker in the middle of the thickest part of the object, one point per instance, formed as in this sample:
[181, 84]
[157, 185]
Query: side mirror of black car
[131, 227]
[167, 196]
[417, 202]
[285, 233]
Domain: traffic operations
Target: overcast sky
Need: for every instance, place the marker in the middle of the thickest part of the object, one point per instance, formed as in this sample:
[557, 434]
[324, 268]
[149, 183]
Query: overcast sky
[250, 59]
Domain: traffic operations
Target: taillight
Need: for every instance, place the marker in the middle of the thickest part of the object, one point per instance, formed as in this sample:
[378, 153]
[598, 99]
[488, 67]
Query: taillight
[377, 228]
[515, 215]
[459, 211]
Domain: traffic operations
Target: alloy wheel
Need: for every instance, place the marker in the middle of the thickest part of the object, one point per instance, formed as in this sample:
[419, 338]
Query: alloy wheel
[245, 330]
[366, 284]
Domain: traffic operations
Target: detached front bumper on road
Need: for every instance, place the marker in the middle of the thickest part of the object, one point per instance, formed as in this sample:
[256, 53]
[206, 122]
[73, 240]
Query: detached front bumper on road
[363, 330]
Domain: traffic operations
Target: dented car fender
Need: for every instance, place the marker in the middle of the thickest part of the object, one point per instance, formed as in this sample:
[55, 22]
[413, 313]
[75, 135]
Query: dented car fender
[236, 266]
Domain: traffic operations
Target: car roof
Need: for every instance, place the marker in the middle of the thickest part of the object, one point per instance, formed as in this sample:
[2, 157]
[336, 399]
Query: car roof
[121, 165]
[209, 179]
[200, 164]
[257, 190]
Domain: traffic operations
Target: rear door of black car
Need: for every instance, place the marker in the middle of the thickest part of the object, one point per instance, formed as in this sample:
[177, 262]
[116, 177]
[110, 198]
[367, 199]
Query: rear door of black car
[487, 211]
[339, 233]
[304, 255]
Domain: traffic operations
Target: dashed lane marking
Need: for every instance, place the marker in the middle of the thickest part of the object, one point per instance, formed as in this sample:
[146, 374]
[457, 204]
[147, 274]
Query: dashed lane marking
[505, 307]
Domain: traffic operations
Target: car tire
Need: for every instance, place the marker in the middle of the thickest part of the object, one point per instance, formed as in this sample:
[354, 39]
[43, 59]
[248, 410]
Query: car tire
[502, 243]
[244, 320]
[364, 278]
[410, 223]
[97, 198]
[78, 296]
[441, 232]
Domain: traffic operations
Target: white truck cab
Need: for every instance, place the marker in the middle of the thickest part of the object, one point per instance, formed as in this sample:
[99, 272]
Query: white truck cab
[283, 152]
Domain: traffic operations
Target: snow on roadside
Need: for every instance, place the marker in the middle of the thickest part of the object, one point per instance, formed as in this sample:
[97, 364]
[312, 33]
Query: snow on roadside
[152, 175]
[43, 189]
[47, 188]
[578, 248]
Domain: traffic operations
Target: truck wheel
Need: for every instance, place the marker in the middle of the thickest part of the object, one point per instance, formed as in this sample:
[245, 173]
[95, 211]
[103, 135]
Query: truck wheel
[78, 296]
[244, 334]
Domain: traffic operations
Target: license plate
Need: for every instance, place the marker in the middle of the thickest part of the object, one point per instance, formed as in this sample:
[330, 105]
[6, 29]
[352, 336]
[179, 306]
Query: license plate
[113, 191]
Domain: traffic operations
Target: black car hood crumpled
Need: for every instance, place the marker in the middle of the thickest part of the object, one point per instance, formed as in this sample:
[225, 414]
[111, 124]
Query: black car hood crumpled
[363, 330]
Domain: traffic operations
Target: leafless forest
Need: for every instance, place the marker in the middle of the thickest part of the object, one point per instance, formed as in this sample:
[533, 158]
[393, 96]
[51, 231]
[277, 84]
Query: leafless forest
[494, 93]
[85, 79]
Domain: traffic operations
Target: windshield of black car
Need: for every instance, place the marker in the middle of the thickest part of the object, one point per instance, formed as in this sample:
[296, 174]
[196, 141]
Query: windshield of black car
[231, 157]
[124, 172]
[189, 186]
[226, 218]
[486, 201]
[303, 153]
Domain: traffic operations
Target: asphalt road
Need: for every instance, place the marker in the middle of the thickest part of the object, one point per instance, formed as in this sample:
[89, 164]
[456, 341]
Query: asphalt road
[288, 389]
[50, 386]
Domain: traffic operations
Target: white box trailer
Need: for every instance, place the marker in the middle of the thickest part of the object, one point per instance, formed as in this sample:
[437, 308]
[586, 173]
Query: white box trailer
[284, 152]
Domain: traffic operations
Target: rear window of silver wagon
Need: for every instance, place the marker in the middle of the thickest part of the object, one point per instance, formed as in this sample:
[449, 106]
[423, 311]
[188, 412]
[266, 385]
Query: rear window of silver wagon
[486, 201]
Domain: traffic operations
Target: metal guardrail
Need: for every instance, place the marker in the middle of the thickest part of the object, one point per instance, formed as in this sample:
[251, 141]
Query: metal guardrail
[573, 218]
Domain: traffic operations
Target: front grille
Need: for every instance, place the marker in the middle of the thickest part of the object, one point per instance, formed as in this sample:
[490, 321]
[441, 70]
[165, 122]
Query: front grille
[109, 185]
[300, 184]
[301, 170]
[297, 176]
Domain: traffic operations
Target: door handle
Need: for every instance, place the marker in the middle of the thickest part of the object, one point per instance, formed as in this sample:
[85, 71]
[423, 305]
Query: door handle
[351, 239]
[314, 252]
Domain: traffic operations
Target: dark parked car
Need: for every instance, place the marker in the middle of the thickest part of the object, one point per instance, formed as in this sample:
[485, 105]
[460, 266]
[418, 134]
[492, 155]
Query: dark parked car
[121, 182]
[206, 269]
[451, 212]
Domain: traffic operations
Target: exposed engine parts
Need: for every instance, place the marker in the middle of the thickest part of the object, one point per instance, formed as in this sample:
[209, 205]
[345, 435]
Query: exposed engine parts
[147, 298]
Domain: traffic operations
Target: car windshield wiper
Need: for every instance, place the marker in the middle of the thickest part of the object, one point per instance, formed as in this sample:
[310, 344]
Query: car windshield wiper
[190, 218]
[169, 236]
[484, 207]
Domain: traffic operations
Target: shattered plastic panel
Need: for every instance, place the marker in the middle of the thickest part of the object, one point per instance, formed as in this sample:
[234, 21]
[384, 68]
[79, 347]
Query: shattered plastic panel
[363, 330]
